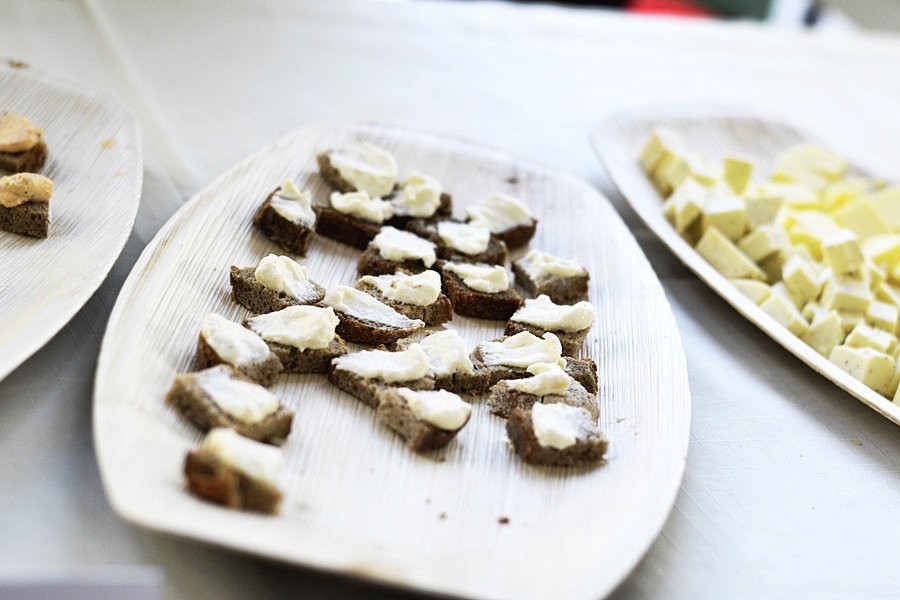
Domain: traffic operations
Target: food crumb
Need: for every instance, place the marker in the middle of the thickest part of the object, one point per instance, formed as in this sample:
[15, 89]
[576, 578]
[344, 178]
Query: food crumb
[120, 174]
[427, 500]
[856, 442]
[107, 144]
[620, 419]
[442, 516]
[512, 180]
[503, 520]
[16, 64]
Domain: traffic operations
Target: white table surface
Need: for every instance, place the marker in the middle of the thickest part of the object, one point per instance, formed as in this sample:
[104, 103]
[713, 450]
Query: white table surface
[792, 488]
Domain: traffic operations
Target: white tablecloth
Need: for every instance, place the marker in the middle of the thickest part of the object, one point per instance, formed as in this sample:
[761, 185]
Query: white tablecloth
[791, 487]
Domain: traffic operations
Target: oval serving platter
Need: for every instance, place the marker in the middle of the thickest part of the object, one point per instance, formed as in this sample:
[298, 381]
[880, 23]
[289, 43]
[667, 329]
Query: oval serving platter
[357, 502]
[715, 132]
[95, 161]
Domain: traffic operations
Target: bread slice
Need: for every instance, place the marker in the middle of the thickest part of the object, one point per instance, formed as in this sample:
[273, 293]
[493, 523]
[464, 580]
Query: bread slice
[439, 311]
[480, 305]
[586, 451]
[344, 228]
[372, 263]
[571, 341]
[444, 209]
[582, 370]
[369, 391]
[263, 372]
[331, 175]
[309, 360]
[293, 237]
[29, 218]
[518, 236]
[28, 161]
[212, 479]
[253, 295]
[562, 290]
[503, 399]
[495, 254]
[420, 435]
[200, 409]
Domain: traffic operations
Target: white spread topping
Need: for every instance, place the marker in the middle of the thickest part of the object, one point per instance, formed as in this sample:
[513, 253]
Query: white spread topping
[366, 167]
[420, 197]
[447, 353]
[547, 379]
[17, 133]
[523, 350]
[293, 205]
[361, 305]
[303, 327]
[252, 458]
[501, 213]
[409, 365]
[24, 187]
[362, 206]
[540, 265]
[284, 275]
[558, 425]
[490, 279]
[544, 313]
[396, 245]
[243, 400]
[441, 408]
[468, 238]
[421, 289]
[232, 343]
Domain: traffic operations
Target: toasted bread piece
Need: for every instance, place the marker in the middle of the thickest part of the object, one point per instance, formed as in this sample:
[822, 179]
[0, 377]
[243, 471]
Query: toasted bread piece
[369, 390]
[308, 360]
[582, 370]
[587, 450]
[444, 209]
[562, 290]
[503, 399]
[344, 228]
[212, 479]
[263, 372]
[28, 161]
[571, 341]
[495, 254]
[518, 236]
[372, 263]
[29, 218]
[253, 295]
[439, 311]
[480, 305]
[420, 435]
[293, 237]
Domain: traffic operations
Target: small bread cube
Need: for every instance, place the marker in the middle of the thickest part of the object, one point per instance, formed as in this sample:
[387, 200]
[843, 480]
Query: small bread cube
[287, 218]
[570, 323]
[276, 283]
[366, 374]
[225, 342]
[416, 296]
[392, 250]
[564, 280]
[303, 337]
[426, 419]
[556, 434]
[480, 291]
[461, 242]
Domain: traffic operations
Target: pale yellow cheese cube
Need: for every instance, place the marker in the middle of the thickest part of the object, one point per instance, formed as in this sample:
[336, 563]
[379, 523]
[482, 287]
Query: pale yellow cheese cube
[842, 252]
[809, 164]
[873, 368]
[859, 216]
[785, 313]
[763, 241]
[782, 290]
[824, 333]
[892, 387]
[886, 292]
[839, 193]
[688, 201]
[845, 293]
[737, 172]
[886, 203]
[809, 228]
[802, 278]
[661, 144]
[883, 249]
[851, 321]
[725, 257]
[894, 275]
[812, 312]
[874, 274]
[762, 205]
[754, 289]
[673, 171]
[863, 336]
[773, 264]
[668, 208]
[727, 213]
[883, 316]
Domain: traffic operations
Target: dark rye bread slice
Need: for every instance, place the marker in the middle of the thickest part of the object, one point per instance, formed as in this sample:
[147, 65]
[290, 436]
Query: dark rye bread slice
[309, 360]
[199, 408]
[439, 311]
[254, 296]
[503, 398]
[29, 218]
[495, 254]
[444, 209]
[369, 391]
[584, 452]
[472, 303]
[371, 333]
[582, 370]
[212, 479]
[263, 372]
[372, 263]
[562, 290]
[27, 161]
[293, 237]
[344, 228]
[476, 382]
[420, 435]
[571, 341]
[518, 236]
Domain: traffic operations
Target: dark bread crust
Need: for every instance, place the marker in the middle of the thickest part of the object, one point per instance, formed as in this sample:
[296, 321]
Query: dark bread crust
[465, 383]
[583, 452]
[310, 360]
[344, 228]
[198, 408]
[253, 295]
[562, 290]
[293, 237]
[331, 175]
[263, 372]
[29, 218]
[480, 305]
[420, 435]
[518, 236]
[369, 390]
[27, 161]
[212, 479]
[361, 331]
[495, 254]
[571, 341]
[503, 399]
[439, 311]
[372, 263]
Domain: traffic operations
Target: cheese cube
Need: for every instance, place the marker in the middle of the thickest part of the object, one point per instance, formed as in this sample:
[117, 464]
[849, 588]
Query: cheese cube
[886, 203]
[845, 293]
[688, 200]
[669, 209]
[883, 249]
[802, 278]
[785, 313]
[864, 336]
[808, 228]
[894, 275]
[753, 289]
[812, 312]
[762, 205]
[737, 172]
[873, 274]
[673, 171]
[799, 197]
[891, 390]
[773, 265]
[727, 213]
[763, 241]
[662, 144]
[859, 216]
[839, 193]
[874, 369]
[725, 257]
[809, 164]
[851, 321]
[883, 316]
[842, 252]
[825, 333]
[886, 292]
[782, 290]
